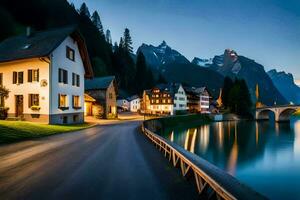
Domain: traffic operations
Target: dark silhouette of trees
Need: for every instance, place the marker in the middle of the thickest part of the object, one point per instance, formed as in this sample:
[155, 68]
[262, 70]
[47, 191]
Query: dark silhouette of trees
[97, 22]
[227, 85]
[127, 41]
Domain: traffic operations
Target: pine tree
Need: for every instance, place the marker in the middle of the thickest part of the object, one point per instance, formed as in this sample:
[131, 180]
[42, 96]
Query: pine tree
[121, 43]
[97, 22]
[141, 73]
[149, 79]
[228, 84]
[73, 6]
[127, 41]
[84, 10]
[108, 37]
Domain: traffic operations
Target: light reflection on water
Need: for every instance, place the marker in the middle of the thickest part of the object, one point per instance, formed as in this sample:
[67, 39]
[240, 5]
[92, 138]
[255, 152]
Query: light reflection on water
[264, 155]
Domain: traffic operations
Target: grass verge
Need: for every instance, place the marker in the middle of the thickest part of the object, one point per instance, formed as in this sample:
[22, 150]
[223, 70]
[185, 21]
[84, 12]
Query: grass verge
[13, 131]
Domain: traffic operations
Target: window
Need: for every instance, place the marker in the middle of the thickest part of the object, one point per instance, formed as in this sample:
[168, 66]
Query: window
[75, 80]
[76, 102]
[33, 75]
[75, 118]
[70, 53]
[1, 79]
[33, 100]
[62, 76]
[65, 120]
[110, 95]
[62, 101]
[18, 77]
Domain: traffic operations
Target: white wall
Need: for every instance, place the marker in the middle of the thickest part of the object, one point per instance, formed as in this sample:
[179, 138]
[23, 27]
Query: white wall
[59, 60]
[204, 103]
[27, 87]
[180, 100]
[135, 105]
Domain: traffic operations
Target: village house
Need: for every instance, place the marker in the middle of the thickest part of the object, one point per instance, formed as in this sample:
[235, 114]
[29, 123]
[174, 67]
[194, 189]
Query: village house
[165, 94]
[198, 99]
[104, 91]
[179, 97]
[45, 72]
[134, 103]
[157, 101]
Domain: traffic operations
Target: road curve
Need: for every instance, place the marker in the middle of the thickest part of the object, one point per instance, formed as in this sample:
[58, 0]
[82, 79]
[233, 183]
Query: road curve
[103, 162]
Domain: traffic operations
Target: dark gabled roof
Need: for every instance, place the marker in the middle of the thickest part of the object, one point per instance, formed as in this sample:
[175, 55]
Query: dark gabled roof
[101, 83]
[42, 44]
[171, 88]
[132, 98]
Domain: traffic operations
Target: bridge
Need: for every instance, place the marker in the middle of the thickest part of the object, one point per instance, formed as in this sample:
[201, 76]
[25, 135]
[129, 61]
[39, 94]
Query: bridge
[282, 112]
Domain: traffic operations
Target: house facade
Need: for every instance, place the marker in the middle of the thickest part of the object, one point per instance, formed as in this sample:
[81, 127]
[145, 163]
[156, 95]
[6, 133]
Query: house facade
[157, 101]
[104, 91]
[198, 99]
[180, 98]
[45, 73]
[134, 103]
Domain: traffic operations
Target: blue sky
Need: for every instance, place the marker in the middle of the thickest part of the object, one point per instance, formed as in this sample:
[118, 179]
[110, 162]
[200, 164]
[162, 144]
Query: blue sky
[267, 31]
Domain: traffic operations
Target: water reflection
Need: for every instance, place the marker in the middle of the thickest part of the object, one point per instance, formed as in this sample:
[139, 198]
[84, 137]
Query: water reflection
[264, 155]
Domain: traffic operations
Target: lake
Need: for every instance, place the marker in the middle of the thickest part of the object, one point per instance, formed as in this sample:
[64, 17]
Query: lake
[263, 155]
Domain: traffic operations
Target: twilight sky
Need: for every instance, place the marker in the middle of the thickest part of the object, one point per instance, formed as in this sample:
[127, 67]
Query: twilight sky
[267, 31]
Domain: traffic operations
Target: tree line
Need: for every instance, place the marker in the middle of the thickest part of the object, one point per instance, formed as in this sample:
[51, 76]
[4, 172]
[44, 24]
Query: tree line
[236, 96]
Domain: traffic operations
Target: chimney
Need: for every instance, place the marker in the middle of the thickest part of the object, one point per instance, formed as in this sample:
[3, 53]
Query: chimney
[28, 31]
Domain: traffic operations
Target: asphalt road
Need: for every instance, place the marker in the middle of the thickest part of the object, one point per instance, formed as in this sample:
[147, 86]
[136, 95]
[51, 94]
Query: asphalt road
[103, 162]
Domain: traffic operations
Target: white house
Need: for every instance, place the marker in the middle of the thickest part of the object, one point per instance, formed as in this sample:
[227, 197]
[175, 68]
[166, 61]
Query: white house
[134, 103]
[44, 72]
[180, 98]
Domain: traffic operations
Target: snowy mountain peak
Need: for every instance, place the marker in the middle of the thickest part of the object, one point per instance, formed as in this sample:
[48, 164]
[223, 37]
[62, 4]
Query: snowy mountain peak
[160, 55]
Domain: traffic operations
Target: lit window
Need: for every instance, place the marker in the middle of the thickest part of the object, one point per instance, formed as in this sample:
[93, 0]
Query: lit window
[33, 75]
[18, 77]
[62, 101]
[33, 100]
[76, 101]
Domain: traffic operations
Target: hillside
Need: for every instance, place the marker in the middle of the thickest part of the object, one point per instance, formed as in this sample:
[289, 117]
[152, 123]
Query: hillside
[233, 65]
[284, 82]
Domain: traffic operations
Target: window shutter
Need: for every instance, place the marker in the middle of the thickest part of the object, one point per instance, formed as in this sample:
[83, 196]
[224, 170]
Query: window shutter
[73, 79]
[78, 81]
[1, 79]
[65, 72]
[20, 77]
[30, 75]
[58, 100]
[73, 101]
[14, 77]
[29, 100]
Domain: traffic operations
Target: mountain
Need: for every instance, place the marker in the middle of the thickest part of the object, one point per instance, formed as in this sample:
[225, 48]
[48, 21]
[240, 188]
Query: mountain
[233, 65]
[202, 62]
[286, 85]
[161, 55]
[193, 75]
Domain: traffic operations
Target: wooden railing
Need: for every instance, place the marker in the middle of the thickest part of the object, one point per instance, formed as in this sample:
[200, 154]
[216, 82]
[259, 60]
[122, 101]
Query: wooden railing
[211, 182]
